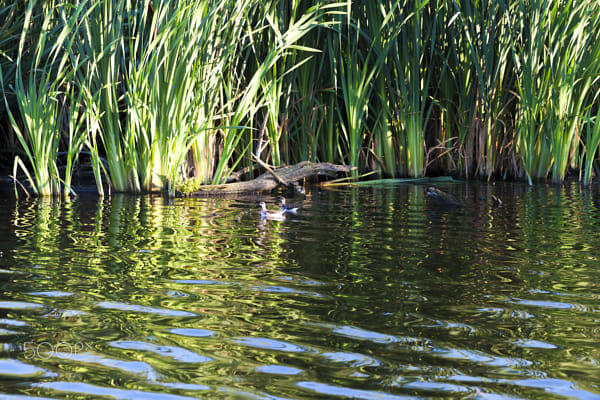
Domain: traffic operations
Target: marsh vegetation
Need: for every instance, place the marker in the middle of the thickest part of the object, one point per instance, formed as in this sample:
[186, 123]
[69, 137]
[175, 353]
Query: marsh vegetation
[154, 93]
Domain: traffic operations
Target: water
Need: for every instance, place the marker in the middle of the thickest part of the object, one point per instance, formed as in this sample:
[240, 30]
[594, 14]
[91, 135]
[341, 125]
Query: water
[364, 294]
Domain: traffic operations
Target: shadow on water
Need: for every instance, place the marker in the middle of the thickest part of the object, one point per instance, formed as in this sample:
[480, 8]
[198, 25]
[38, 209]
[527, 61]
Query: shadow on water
[364, 293]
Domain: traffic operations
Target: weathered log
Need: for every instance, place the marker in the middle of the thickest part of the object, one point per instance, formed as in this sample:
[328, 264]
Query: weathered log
[286, 176]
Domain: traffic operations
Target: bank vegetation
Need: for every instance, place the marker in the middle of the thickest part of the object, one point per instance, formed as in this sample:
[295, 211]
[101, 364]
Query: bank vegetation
[149, 94]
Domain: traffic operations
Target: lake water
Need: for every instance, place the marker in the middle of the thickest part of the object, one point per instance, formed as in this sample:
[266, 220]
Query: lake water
[364, 294]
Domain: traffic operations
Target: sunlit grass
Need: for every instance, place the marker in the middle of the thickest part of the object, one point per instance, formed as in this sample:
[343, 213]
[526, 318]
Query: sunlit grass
[557, 69]
[42, 86]
[158, 93]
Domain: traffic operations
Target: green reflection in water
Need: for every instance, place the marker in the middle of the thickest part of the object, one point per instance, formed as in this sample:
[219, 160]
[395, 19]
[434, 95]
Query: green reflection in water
[364, 293]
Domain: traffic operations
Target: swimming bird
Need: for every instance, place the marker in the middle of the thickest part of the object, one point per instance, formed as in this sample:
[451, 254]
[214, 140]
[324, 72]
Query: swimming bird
[443, 198]
[271, 214]
[287, 209]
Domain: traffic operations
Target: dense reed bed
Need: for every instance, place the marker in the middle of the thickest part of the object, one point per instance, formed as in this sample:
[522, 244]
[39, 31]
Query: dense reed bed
[155, 93]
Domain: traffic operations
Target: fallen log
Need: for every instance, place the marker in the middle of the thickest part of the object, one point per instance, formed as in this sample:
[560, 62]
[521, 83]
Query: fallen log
[285, 176]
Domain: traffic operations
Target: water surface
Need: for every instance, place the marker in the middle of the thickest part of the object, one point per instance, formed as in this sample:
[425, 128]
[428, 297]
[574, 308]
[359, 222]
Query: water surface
[364, 294]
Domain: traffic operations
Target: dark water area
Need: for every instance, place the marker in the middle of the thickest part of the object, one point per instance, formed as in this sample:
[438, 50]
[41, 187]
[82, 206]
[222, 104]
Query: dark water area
[363, 294]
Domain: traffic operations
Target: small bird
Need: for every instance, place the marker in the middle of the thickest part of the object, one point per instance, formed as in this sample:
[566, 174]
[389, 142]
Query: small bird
[270, 214]
[287, 209]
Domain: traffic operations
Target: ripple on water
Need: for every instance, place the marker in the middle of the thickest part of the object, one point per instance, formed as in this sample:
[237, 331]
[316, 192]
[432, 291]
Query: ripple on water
[8, 271]
[559, 387]
[95, 390]
[69, 313]
[173, 352]
[346, 392]
[199, 282]
[139, 368]
[514, 365]
[351, 359]
[450, 326]
[286, 290]
[183, 386]
[20, 305]
[192, 332]
[353, 332]
[115, 305]
[403, 300]
[533, 344]
[13, 322]
[23, 397]
[272, 344]
[429, 386]
[11, 369]
[278, 370]
[52, 293]
[557, 305]
[300, 281]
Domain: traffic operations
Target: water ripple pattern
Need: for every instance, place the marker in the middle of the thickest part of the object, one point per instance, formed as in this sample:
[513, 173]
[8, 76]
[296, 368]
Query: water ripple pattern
[365, 293]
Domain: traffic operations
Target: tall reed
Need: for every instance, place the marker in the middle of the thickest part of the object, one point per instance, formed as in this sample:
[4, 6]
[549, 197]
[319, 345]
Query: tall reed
[164, 89]
[533, 85]
[411, 84]
[383, 31]
[487, 36]
[457, 100]
[167, 91]
[368, 35]
[48, 74]
[242, 103]
[592, 142]
[305, 134]
[102, 40]
[575, 70]
[356, 74]
[557, 64]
